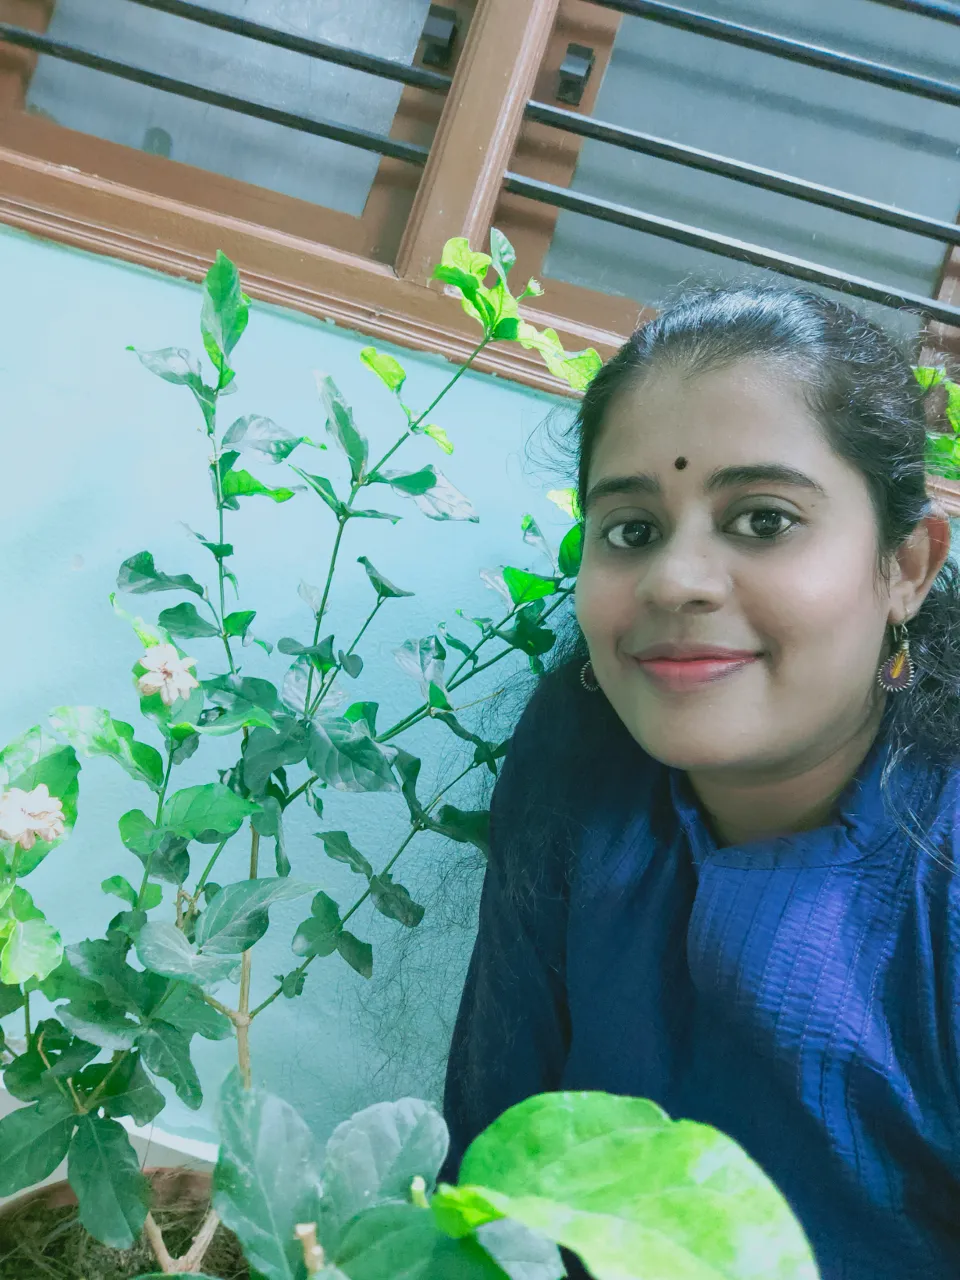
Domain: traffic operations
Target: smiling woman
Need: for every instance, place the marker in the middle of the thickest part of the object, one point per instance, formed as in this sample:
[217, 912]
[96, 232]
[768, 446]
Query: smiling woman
[723, 870]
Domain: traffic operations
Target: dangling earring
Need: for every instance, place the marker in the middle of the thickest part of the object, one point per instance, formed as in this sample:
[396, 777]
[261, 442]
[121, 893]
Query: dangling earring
[898, 673]
[588, 679]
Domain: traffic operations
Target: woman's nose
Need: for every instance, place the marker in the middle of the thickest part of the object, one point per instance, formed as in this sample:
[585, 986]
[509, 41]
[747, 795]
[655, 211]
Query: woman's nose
[687, 574]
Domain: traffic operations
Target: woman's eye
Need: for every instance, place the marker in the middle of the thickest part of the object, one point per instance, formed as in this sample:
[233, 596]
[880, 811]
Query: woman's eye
[762, 522]
[632, 535]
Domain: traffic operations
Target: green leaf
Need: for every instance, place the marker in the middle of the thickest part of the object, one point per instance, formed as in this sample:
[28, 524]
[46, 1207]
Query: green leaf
[571, 551]
[341, 426]
[578, 369]
[130, 1091]
[351, 664]
[104, 1173]
[236, 624]
[320, 485]
[172, 364]
[383, 586]
[502, 253]
[423, 660]
[365, 712]
[99, 1023]
[31, 761]
[321, 655]
[388, 370]
[264, 435]
[566, 500]
[654, 1199]
[269, 823]
[337, 845]
[465, 826]
[186, 1009]
[358, 955]
[166, 1052]
[33, 1141]
[374, 1156]
[32, 949]
[225, 310]
[139, 575]
[237, 917]
[345, 756]
[401, 1242]
[266, 1180]
[432, 492]
[533, 536]
[394, 901]
[528, 634]
[11, 999]
[219, 550]
[320, 934]
[163, 949]
[93, 732]
[266, 750]
[438, 435]
[526, 587]
[183, 620]
[367, 513]
[139, 834]
[241, 484]
[212, 807]
[121, 888]
[521, 1253]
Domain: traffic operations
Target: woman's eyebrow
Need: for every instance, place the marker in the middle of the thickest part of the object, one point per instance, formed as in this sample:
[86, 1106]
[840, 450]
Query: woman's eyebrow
[723, 478]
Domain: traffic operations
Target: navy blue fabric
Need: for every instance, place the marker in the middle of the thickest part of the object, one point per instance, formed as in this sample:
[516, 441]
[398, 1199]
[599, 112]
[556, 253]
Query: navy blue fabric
[802, 993]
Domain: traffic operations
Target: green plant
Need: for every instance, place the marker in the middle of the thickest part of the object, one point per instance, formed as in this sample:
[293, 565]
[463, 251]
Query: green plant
[943, 447]
[126, 1006]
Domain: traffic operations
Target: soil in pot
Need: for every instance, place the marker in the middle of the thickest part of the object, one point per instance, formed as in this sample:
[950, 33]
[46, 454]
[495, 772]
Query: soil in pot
[41, 1237]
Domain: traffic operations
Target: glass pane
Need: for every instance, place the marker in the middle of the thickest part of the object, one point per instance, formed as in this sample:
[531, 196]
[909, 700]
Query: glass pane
[284, 160]
[862, 138]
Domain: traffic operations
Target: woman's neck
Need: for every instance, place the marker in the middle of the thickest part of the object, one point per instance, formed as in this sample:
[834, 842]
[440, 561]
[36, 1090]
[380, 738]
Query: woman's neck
[800, 797]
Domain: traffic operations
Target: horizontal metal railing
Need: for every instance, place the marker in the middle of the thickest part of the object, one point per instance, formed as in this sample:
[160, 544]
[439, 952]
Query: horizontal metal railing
[727, 247]
[811, 55]
[588, 127]
[354, 137]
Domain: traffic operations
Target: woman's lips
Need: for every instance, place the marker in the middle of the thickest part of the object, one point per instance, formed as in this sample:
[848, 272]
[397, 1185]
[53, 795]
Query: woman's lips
[683, 674]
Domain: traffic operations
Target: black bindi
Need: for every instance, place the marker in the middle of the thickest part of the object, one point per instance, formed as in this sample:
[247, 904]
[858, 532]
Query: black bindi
[680, 463]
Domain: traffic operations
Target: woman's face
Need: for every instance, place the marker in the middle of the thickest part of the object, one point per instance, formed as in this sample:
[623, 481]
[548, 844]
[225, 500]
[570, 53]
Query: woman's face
[729, 590]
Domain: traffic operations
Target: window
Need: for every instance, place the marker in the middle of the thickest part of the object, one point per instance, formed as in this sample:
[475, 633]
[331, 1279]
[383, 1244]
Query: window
[331, 146]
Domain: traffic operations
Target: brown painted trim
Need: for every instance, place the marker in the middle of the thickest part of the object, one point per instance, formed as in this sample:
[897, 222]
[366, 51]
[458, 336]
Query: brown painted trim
[121, 222]
[478, 130]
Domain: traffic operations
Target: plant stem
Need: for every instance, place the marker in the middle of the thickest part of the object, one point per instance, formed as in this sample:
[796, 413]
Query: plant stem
[195, 1255]
[341, 525]
[160, 799]
[26, 1014]
[242, 1021]
[456, 378]
[327, 685]
[160, 1251]
[221, 575]
[194, 897]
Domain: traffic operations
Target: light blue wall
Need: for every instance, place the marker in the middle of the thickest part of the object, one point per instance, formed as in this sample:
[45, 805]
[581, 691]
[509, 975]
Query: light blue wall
[101, 460]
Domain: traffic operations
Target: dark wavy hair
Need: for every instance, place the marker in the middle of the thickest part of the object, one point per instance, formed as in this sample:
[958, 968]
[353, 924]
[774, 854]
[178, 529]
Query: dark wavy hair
[861, 387]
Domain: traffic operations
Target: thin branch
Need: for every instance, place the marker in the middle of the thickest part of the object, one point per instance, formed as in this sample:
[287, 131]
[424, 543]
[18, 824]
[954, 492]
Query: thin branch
[192, 1260]
[160, 799]
[153, 1233]
[327, 683]
[242, 1020]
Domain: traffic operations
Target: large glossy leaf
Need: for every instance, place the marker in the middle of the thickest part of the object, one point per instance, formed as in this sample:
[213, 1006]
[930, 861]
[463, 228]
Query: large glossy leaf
[374, 1157]
[28, 949]
[186, 1009]
[322, 486]
[390, 372]
[183, 620]
[571, 551]
[632, 1192]
[99, 1023]
[166, 1051]
[383, 586]
[264, 435]
[104, 1173]
[172, 364]
[345, 756]
[93, 732]
[33, 1141]
[423, 660]
[211, 807]
[521, 1253]
[502, 253]
[225, 310]
[358, 954]
[526, 587]
[266, 1180]
[400, 1242]
[163, 949]
[264, 751]
[140, 575]
[238, 917]
[131, 1092]
[577, 368]
[432, 492]
[341, 426]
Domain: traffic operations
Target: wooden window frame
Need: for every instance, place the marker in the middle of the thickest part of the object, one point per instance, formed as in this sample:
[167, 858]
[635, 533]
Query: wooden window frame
[369, 273]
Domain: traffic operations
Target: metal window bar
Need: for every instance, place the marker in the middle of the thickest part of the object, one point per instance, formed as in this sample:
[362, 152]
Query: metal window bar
[811, 55]
[362, 138]
[727, 247]
[386, 68]
[739, 171]
[941, 10]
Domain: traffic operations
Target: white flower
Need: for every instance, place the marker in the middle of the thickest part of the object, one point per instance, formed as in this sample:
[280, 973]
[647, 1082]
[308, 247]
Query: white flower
[167, 674]
[26, 816]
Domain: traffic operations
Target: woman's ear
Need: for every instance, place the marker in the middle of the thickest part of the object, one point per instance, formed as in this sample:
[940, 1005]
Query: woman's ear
[917, 563]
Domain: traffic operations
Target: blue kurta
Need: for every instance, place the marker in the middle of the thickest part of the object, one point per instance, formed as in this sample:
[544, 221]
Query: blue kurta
[800, 993]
